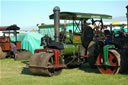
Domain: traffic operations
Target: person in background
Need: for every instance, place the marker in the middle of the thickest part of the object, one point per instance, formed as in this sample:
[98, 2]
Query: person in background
[107, 39]
[122, 33]
[70, 32]
[14, 47]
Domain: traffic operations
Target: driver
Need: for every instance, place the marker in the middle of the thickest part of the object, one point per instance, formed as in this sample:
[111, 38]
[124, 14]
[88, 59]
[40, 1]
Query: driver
[62, 34]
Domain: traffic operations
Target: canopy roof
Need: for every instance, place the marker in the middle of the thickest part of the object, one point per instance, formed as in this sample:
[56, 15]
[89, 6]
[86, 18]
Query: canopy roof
[12, 27]
[79, 16]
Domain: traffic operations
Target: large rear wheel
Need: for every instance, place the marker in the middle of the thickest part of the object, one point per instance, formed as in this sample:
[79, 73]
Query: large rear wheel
[94, 48]
[124, 63]
[114, 60]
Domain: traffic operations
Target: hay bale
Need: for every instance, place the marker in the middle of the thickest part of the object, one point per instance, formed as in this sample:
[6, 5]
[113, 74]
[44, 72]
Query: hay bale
[23, 55]
[2, 54]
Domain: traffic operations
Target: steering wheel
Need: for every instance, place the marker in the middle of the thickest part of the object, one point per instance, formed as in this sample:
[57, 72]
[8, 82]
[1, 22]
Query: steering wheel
[98, 24]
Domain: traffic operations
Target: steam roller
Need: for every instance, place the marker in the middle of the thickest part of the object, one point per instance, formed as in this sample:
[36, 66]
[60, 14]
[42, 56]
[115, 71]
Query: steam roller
[84, 44]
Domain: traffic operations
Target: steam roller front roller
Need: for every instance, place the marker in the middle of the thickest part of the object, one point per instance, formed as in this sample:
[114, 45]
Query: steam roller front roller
[42, 63]
[114, 61]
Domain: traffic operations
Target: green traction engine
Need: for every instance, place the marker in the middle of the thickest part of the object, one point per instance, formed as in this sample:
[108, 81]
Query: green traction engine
[84, 43]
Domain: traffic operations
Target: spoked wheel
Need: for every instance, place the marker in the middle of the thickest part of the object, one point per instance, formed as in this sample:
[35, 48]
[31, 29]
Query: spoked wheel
[71, 62]
[98, 24]
[55, 71]
[40, 62]
[114, 60]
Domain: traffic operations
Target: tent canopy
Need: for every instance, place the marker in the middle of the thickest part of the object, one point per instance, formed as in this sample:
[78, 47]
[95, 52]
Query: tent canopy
[12, 27]
[29, 41]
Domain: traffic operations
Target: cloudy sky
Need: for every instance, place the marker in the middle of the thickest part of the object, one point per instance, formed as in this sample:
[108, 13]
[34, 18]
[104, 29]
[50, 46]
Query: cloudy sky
[31, 12]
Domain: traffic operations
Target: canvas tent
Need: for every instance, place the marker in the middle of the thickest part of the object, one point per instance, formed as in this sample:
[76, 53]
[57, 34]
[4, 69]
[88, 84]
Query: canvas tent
[29, 41]
[49, 29]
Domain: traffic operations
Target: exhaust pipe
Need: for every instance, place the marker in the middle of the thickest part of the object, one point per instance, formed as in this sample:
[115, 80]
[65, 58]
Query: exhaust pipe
[127, 15]
[56, 11]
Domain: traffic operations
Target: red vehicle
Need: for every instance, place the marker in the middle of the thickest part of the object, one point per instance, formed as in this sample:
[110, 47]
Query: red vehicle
[5, 41]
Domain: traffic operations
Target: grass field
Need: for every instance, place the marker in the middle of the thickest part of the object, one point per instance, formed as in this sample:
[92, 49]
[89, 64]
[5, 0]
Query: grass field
[16, 73]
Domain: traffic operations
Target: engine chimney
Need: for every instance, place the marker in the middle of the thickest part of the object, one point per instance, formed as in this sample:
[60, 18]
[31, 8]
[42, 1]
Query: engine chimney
[127, 15]
[56, 11]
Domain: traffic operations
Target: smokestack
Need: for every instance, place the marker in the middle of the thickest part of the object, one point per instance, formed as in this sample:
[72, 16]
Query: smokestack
[56, 11]
[127, 15]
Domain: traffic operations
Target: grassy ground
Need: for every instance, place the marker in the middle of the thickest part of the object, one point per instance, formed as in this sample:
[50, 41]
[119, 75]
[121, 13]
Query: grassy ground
[15, 73]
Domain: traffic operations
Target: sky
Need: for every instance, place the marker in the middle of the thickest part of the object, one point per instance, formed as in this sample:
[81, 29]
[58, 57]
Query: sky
[27, 13]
